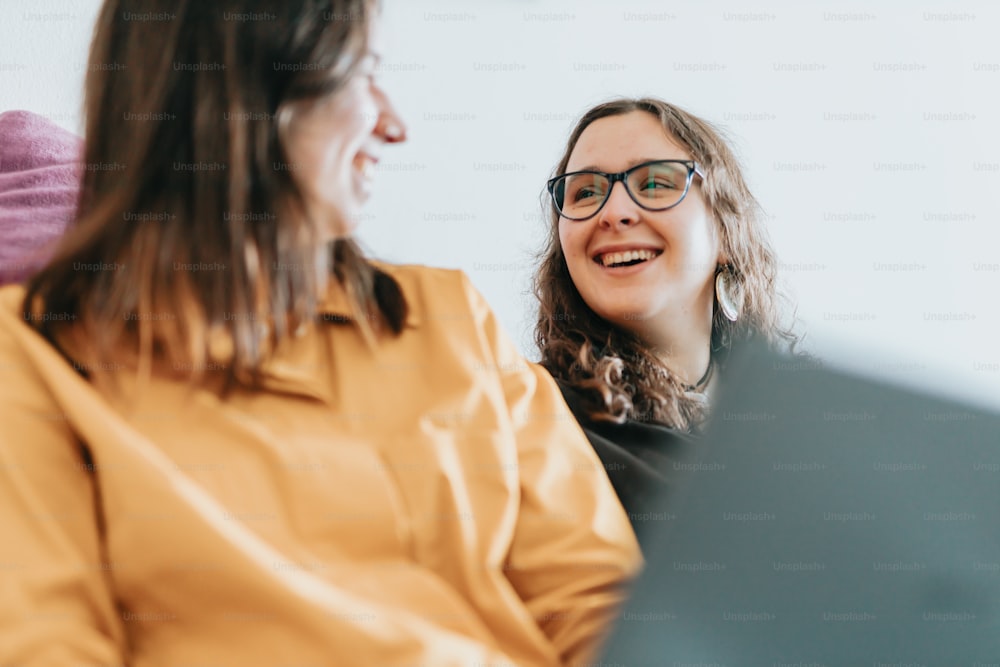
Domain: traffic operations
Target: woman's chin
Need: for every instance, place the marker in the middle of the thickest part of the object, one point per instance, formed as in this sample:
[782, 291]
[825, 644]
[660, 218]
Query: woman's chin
[633, 319]
[341, 225]
[342, 231]
[344, 220]
[362, 186]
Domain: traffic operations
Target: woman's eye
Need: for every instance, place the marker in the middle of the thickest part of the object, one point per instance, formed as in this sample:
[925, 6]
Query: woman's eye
[658, 184]
[583, 193]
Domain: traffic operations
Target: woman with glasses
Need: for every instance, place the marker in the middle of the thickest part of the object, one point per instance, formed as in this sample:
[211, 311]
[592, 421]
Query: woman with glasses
[657, 261]
[227, 437]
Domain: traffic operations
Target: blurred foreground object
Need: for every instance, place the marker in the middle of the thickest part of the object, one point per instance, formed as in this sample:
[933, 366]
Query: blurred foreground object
[826, 520]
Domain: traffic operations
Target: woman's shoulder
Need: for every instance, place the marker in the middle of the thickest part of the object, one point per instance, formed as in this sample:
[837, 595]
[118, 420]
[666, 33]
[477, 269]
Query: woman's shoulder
[638, 457]
[11, 298]
[12, 293]
[421, 277]
[438, 293]
[645, 439]
[21, 347]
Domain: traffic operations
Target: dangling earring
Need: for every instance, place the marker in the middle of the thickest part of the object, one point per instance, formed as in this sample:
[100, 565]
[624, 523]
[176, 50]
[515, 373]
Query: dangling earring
[728, 294]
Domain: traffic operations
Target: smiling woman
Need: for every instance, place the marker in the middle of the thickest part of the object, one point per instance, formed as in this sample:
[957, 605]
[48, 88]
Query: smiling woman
[227, 437]
[645, 287]
[208, 139]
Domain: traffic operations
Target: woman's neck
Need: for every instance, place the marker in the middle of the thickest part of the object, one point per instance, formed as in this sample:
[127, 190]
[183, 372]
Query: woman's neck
[683, 345]
[689, 360]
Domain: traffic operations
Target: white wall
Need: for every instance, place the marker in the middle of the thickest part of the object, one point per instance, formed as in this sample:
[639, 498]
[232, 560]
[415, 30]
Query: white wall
[869, 131]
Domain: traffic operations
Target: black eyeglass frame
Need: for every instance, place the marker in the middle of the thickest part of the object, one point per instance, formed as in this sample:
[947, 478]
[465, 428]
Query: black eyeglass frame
[692, 166]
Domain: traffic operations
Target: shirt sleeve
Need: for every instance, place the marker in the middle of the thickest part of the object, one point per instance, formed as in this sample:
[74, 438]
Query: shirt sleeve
[55, 604]
[574, 550]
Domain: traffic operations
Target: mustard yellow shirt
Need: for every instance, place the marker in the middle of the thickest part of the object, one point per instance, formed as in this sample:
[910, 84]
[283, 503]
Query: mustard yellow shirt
[429, 501]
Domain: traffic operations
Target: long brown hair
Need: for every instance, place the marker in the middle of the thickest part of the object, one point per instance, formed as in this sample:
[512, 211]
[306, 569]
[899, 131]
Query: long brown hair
[191, 240]
[613, 369]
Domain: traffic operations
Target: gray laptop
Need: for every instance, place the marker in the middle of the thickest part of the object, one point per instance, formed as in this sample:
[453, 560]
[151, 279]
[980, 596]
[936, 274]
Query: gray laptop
[824, 520]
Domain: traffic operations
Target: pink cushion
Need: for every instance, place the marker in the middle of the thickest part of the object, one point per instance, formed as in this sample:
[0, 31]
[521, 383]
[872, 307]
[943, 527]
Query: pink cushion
[39, 184]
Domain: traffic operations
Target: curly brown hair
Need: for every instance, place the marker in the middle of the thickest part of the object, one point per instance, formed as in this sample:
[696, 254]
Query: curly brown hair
[616, 373]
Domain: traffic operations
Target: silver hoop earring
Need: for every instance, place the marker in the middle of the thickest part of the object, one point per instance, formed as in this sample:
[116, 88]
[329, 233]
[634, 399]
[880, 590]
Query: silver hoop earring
[729, 296]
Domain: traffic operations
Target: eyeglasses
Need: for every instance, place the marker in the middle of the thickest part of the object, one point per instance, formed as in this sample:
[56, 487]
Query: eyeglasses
[654, 186]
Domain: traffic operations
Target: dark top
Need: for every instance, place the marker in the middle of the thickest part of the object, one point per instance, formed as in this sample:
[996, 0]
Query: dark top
[638, 458]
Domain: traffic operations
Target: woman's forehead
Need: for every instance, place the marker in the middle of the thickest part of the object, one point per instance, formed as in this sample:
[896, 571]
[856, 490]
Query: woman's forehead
[615, 143]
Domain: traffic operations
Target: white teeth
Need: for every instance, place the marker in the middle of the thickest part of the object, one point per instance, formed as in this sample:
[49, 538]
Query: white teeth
[611, 258]
[367, 168]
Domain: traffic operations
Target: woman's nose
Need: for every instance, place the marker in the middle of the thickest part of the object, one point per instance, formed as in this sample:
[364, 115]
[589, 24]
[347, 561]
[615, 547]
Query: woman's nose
[390, 124]
[619, 208]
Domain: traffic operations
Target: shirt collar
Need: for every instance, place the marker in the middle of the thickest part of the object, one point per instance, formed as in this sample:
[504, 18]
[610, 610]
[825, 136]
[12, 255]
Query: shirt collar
[299, 368]
[335, 307]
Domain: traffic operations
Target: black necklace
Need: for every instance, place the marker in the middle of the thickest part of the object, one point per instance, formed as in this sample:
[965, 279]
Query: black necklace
[704, 378]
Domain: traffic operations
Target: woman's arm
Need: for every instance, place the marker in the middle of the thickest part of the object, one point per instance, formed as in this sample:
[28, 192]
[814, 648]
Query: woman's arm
[55, 604]
[574, 550]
